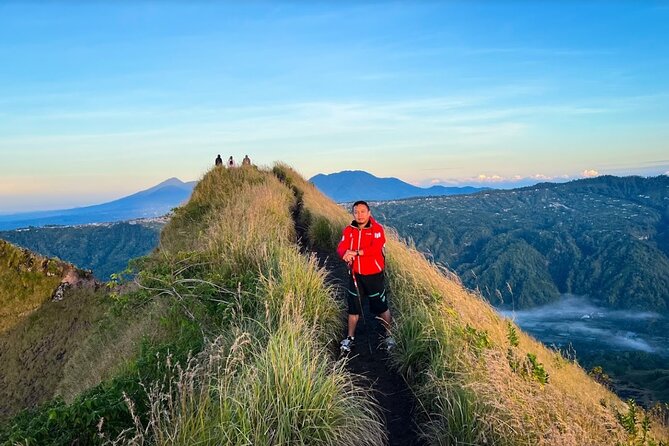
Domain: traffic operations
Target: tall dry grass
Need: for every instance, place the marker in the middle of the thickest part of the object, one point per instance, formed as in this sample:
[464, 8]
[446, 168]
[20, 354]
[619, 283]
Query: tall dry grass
[235, 393]
[296, 287]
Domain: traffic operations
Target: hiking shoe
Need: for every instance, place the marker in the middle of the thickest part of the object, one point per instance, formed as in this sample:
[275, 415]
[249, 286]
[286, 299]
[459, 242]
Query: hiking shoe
[390, 343]
[346, 344]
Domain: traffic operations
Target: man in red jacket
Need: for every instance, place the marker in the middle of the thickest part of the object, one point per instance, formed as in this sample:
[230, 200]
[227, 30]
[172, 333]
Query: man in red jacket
[362, 248]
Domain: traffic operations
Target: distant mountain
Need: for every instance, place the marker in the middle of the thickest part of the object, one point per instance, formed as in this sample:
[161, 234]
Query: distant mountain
[153, 202]
[352, 185]
[606, 237]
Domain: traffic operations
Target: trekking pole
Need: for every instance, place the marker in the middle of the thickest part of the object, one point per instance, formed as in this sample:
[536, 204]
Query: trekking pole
[362, 313]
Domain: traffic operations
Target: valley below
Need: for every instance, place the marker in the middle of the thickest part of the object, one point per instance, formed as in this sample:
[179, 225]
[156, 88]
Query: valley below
[632, 347]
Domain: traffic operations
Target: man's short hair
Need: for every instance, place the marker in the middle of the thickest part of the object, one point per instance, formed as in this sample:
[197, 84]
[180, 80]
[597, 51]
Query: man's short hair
[360, 202]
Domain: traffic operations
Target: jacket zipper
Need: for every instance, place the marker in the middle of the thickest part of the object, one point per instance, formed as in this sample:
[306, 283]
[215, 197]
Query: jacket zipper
[359, 237]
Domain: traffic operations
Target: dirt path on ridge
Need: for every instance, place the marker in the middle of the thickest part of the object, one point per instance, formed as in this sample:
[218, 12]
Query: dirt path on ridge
[367, 358]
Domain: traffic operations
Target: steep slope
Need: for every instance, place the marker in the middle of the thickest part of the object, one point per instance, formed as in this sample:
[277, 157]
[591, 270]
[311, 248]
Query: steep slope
[27, 280]
[478, 377]
[35, 351]
[46, 309]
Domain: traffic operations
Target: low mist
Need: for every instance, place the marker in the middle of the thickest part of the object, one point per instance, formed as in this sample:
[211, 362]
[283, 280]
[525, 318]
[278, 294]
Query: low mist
[577, 320]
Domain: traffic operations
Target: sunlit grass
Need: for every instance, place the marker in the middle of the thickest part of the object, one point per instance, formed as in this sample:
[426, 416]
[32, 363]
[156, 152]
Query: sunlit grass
[27, 280]
[322, 218]
[295, 287]
[239, 393]
[505, 406]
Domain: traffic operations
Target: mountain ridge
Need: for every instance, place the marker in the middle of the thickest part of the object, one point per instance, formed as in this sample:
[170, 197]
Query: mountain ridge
[152, 202]
[352, 185]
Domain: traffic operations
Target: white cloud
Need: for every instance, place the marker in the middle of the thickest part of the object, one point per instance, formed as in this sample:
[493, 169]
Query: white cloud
[540, 176]
[483, 178]
[494, 180]
[590, 173]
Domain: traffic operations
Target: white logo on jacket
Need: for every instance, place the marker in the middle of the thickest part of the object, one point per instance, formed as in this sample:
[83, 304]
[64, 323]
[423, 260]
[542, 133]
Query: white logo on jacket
[377, 235]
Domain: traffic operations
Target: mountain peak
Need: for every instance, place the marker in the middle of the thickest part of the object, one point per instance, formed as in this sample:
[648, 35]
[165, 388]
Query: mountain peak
[351, 185]
[171, 181]
[174, 181]
[152, 202]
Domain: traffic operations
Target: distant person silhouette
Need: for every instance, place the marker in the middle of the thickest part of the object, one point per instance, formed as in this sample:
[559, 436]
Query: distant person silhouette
[219, 161]
[231, 162]
[246, 161]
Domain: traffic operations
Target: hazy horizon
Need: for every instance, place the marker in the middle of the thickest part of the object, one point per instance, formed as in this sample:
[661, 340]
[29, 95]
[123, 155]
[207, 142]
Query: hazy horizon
[81, 201]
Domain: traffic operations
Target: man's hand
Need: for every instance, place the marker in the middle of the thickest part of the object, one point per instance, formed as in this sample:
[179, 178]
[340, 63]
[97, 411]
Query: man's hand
[349, 256]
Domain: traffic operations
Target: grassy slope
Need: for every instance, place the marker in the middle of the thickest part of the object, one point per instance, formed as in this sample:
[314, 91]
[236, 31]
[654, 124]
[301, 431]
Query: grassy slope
[27, 280]
[266, 378]
[35, 351]
[456, 351]
[37, 335]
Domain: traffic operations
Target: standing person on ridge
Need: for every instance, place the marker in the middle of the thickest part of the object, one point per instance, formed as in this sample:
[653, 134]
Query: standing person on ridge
[362, 248]
[246, 161]
[219, 161]
[231, 162]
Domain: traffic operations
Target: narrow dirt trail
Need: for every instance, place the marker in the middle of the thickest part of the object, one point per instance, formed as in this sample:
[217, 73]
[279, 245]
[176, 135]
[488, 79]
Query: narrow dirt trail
[368, 358]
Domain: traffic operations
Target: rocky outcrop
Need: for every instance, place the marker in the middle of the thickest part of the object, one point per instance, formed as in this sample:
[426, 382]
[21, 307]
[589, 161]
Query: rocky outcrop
[59, 293]
[32, 279]
[74, 278]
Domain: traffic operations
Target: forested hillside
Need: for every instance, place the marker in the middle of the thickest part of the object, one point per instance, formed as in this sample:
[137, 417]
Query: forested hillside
[606, 237]
[102, 248]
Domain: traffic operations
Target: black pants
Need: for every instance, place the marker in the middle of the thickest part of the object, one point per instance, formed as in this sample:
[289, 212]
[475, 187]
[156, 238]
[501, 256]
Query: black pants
[372, 287]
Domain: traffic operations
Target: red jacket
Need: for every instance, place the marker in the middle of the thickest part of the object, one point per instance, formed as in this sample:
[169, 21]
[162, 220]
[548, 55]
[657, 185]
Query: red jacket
[370, 240]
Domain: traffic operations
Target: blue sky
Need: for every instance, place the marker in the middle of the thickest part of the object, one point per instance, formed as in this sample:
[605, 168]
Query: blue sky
[99, 100]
